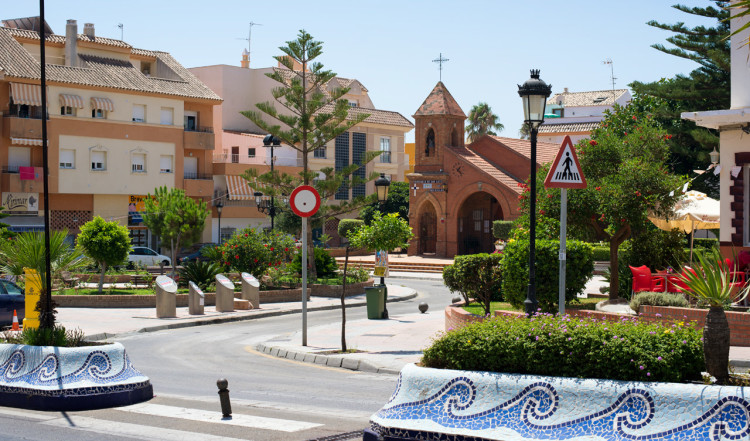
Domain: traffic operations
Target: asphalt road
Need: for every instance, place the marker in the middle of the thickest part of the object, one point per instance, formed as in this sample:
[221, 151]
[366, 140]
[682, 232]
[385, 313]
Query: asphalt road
[272, 398]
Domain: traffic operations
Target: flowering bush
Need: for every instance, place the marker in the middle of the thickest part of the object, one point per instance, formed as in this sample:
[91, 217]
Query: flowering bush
[254, 251]
[567, 346]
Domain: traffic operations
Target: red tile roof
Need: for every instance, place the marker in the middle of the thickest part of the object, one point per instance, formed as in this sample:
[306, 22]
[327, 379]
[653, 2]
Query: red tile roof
[568, 127]
[486, 167]
[545, 151]
[440, 102]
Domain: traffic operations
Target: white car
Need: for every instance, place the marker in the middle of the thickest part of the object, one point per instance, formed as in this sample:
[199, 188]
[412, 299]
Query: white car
[147, 256]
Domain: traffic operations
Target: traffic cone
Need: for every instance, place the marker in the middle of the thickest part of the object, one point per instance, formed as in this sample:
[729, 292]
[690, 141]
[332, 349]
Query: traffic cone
[15, 321]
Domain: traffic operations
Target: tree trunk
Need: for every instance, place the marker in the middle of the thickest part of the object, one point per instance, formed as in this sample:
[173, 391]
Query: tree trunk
[716, 343]
[101, 279]
[343, 301]
[174, 255]
[614, 263]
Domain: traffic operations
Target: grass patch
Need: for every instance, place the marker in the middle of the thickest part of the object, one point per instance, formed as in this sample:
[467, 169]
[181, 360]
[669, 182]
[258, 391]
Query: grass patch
[111, 292]
[475, 308]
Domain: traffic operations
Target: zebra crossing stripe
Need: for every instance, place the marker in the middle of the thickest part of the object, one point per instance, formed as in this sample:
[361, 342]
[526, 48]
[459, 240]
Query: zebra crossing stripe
[241, 420]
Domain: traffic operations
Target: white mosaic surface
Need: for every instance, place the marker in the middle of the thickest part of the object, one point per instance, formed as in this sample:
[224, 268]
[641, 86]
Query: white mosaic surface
[522, 407]
[55, 368]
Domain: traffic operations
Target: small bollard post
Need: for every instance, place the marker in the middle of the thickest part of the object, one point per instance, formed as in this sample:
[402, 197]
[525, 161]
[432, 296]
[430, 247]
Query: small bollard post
[161, 267]
[226, 406]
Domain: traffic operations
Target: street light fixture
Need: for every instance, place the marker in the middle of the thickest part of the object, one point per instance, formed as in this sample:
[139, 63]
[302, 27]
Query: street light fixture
[265, 205]
[534, 94]
[382, 185]
[219, 204]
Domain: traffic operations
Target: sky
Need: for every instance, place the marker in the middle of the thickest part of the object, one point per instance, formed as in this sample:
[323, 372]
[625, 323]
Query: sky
[389, 45]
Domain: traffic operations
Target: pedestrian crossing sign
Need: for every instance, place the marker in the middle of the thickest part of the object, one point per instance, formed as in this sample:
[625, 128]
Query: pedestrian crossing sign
[566, 171]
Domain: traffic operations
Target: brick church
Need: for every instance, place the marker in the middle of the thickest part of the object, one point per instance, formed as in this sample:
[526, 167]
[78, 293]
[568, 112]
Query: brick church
[458, 190]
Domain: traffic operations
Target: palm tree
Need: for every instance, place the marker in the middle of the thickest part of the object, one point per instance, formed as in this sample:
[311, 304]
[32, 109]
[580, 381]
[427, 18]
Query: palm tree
[26, 250]
[711, 282]
[482, 122]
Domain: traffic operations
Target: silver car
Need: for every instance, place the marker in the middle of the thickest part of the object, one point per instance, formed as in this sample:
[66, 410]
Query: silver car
[148, 257]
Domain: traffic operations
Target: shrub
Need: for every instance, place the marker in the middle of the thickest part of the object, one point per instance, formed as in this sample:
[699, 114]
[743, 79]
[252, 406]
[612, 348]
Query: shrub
[254, 251]
[705, 243]
[502, 229]
[202, 274]
[57, 336]
[476, 276]
[515, 269]
[600, 254]
[324, 263]
[347, 226]
[627, 350]
[658, 299]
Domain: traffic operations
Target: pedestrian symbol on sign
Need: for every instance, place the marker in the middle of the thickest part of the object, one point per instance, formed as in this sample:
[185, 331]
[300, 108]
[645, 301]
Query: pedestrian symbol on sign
[566, 170]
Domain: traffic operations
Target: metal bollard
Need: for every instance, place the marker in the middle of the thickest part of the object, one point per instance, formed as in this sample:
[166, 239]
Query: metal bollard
[226, 406]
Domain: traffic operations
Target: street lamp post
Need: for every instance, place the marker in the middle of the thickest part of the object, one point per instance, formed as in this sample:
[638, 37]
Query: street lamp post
[534, 93]
[219, 206]
[382, 185]
[269, 141]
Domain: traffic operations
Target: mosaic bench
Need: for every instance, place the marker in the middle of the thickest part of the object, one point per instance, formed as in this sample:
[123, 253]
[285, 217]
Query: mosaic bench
[436, 404]
[56, 378]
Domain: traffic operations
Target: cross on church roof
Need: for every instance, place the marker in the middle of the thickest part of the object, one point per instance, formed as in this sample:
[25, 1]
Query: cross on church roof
[440, 60]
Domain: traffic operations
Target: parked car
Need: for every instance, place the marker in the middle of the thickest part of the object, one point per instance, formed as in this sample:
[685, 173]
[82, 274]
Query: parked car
[147, 256]
[11, 298]
[196, 255]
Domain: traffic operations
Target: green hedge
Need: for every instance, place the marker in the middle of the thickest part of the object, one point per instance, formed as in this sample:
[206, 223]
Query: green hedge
[600, 254]
[515, 269]
[325, 265]
[572, 347]
[502, 229]
[658, 299]
[476, 276]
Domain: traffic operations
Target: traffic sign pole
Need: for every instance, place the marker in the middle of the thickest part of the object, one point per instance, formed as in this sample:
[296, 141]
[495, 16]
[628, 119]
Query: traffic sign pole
[563, 246]
[304, 281]
[304, 202]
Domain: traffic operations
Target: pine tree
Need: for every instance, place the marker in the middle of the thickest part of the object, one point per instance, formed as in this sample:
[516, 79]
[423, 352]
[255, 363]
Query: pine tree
[705, 88]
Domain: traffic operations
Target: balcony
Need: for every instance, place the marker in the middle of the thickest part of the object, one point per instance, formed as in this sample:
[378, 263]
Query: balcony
[19, 127]
[201, 139]
[196, 187]
[12, 182]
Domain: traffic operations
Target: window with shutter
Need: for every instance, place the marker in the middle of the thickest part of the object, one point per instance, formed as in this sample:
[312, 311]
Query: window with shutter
[139, 113]
[167, 116]
[67, 158]
[98, 160]
[138, 164]
[165, 164]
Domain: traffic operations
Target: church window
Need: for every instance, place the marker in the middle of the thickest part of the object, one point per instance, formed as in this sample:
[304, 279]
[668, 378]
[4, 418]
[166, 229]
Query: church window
[429, 148]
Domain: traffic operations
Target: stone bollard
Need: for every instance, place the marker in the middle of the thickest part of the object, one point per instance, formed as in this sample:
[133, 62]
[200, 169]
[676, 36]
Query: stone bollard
[224, 294]
[226, 406]
[251, 290]
[196, 299]
[165, 290]
[423, 307]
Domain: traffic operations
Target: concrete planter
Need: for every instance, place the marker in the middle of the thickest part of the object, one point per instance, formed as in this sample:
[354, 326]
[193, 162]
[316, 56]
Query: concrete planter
[464, 405]
[55, 378]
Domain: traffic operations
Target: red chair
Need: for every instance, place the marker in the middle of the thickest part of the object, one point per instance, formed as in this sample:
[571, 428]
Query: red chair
[643, 281]
[675, 283]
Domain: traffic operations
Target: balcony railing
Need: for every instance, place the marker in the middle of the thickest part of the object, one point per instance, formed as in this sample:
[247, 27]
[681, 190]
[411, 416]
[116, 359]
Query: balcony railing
[225, 201]
[385, 157]
[13, 169]
[198, 176]
[200, 129]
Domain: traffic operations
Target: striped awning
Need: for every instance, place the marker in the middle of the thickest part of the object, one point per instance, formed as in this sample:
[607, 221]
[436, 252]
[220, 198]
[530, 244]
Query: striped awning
[71, 101]
[26, 94]
[103, 104]
[26, 141]
[238, 188]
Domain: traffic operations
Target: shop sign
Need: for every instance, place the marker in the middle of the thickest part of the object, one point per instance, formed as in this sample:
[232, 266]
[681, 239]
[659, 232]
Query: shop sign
[136, 206]
[20, 203]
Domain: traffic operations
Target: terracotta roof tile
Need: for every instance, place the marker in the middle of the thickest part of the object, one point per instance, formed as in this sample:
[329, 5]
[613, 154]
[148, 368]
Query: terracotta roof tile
[483, 165]
[593, 98]
[16, 62]
[568, 127]
[440, 102]
[545, 151]
[377, 116]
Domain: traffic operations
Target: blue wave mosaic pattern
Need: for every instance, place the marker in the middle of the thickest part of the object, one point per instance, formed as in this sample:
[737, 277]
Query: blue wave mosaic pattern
[464, 405]
[49, 368]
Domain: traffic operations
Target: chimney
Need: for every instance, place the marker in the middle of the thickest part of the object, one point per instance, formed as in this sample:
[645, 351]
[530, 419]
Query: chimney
[88, 29]
[245, 63]
[565, 90]
[71, 42]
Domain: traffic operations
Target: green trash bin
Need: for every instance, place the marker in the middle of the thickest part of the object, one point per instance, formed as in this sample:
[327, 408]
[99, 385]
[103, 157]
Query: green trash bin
[375, 296]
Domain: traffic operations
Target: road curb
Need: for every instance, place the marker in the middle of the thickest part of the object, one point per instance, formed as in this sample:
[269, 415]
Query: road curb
[351, 363]
[411, 293]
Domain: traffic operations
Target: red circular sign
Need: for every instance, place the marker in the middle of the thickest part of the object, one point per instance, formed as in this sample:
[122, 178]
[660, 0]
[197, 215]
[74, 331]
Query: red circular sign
[305, 201]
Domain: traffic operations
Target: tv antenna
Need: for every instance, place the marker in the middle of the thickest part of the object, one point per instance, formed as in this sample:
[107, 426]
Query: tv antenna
[250, 35]
[122, 30]
[612, 72]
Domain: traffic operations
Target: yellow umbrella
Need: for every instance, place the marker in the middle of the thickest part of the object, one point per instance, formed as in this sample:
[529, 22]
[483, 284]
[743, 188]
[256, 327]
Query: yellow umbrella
[695, 211]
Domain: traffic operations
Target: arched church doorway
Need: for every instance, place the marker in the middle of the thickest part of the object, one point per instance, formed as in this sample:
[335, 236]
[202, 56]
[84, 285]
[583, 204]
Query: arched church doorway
[427, 230]
[475, 219]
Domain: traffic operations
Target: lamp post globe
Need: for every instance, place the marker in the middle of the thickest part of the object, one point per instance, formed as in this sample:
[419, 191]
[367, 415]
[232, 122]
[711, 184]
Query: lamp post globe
[534, 93]
[382, 185]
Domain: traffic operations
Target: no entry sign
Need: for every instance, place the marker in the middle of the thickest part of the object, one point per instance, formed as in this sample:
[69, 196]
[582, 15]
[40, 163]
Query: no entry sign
[304, 201]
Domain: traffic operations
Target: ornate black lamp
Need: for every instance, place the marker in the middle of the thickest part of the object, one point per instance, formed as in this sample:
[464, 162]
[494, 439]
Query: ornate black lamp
[534, 94]
[219, 204]
[266, 205]
[382, 185]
